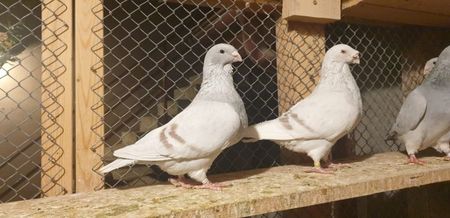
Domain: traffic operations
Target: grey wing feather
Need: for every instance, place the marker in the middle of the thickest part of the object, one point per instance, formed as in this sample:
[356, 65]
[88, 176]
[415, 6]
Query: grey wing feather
[411, 112]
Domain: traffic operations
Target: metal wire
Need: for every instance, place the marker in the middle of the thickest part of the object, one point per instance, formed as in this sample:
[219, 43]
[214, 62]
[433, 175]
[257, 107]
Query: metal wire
[153, 53]
[24, 123]
[152, 61]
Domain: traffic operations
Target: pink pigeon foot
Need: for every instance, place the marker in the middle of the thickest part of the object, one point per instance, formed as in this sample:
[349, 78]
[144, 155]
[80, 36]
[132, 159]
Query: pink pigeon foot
[447, 158]
[319, 170]
[413, 160]
[181, 182]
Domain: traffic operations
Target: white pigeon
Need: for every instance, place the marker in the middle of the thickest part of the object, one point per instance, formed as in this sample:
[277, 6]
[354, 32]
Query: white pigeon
[424, 118]
[314, 124]
[189, 143]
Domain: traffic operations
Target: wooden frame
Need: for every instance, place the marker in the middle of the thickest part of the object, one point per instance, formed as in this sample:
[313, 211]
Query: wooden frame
[57, 98]
[253, 192]
[87, 91]
[88, 112]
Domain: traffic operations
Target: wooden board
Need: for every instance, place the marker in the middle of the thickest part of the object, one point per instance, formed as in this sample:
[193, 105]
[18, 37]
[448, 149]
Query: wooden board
[57, 98]
[253, 192]
[312, 11]
[89, 92]
[415, 12]
[260, 6]
[429, 6]
[300, 50]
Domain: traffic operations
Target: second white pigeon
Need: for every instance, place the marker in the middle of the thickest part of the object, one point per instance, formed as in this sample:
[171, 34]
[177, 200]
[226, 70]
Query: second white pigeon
[189, 143]
[332, 110]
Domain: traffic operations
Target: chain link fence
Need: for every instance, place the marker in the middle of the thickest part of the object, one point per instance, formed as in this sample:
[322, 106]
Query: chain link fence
[26, 125]
[153, 60]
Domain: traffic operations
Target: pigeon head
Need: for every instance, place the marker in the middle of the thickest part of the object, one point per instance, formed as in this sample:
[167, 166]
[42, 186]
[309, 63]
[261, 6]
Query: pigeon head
[441, 70]
[343, 54]
[429, 66]
[222, 54]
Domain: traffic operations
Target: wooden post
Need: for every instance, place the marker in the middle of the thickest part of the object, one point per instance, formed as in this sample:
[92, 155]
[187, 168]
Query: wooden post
[88, 93]
[57, 98]
[300, 50]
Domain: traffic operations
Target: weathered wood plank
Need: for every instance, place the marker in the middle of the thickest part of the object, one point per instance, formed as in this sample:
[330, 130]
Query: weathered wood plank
[253, 192]
[419, 13]
[89, 92]
[57, 98]
[429, 6]
[312, 11]
[300, 50]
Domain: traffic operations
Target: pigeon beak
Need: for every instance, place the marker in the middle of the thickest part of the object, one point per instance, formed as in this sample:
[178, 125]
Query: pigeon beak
[355, 58]
[236, 57]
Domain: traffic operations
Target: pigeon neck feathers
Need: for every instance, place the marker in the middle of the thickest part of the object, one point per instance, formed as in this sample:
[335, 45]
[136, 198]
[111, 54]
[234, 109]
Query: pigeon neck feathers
[217, 83]
[335, 75]
[440, 75]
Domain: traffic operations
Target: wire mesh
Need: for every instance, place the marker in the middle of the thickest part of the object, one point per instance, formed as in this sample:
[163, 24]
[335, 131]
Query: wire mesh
[153, 61]
[22, 96]
[153, 53]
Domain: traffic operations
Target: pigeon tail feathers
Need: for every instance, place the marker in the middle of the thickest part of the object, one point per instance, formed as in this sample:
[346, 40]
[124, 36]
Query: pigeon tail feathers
[119, 163]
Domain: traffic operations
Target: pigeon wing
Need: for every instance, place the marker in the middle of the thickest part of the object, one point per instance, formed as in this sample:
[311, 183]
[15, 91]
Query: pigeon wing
[411, 112]
[202, 129]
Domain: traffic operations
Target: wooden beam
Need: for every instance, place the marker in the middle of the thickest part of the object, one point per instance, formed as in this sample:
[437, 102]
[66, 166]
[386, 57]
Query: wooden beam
[57, 98]
[424, 13]
[428, 6]
[259, 6]
[253, 192]
[312, 11]
[89, 92]
[300, 50]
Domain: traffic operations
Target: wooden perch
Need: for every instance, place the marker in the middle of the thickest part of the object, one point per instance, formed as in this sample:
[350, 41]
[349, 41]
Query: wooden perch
[253, 192]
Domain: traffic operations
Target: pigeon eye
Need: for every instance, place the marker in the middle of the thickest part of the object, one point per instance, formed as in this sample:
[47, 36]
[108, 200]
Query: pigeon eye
[343, 51]
[222, 51]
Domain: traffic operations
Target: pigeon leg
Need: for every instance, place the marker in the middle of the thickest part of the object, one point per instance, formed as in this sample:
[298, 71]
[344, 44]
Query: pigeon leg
[181, 181]
[318, 169]
[413, 160]
[447, 158]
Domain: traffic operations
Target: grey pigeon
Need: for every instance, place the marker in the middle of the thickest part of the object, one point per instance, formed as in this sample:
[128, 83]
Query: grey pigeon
[424, 118]
[429, 65]
[314, 124]
[189, 143]
[443, 143]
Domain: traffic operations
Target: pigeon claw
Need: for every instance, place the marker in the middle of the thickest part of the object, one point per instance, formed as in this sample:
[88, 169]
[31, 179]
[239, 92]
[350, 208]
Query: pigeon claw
[413, 160]
[180, 183]
[328, 171]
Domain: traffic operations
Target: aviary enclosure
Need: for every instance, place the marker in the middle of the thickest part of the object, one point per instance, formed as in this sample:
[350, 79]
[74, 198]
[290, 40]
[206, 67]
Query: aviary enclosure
[80, 80]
